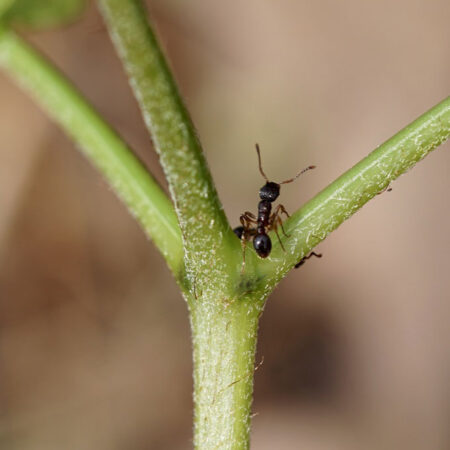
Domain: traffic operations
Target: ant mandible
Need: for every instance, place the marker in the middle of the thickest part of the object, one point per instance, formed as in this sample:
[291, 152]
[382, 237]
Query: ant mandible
[266, 220]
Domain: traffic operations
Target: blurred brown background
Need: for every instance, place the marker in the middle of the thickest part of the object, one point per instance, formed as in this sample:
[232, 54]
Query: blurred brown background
[94, 337]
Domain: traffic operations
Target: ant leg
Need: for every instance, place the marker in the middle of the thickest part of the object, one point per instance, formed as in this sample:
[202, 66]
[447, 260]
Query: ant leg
[246, 235]
[303, 260]
[275, 217]
[246, 219]
[250, 217]
[283, 210]
[280, 209]
[275, 228]
[281, 225]
[243, 245]
[274, 222]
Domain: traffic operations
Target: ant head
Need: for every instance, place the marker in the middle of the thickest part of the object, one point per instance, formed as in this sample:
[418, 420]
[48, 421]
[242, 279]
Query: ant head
[270, 191]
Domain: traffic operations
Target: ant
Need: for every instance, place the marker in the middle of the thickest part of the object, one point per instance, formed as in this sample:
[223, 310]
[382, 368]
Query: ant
[266, 219]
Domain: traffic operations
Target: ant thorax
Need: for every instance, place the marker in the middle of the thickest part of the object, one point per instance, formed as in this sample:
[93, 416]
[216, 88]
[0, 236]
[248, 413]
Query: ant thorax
[262, 221]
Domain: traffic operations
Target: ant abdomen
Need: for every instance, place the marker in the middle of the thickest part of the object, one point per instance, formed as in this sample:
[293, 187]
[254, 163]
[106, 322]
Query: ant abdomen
[262, 245]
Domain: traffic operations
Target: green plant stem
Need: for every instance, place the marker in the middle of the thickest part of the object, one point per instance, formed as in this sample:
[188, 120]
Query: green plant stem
[224, 303]
[223, 319]
[346, 195]
[206, 232]
[125, 173]
[224, 337]
[224, 331]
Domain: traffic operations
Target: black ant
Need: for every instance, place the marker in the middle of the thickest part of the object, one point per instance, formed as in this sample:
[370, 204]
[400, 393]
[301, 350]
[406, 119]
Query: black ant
[266, 220]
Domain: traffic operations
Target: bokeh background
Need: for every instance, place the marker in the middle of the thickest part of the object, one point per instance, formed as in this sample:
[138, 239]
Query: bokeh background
[94, 337]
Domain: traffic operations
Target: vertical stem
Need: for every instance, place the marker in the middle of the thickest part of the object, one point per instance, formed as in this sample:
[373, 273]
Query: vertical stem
[224, 356]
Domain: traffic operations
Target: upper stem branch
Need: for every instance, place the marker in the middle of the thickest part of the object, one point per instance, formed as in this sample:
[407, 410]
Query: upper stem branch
[206, 232]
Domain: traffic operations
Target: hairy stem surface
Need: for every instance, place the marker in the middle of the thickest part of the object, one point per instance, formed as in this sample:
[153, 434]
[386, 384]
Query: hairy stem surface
[346, 195]
[224, 337]
[106, 150]
[206, 232]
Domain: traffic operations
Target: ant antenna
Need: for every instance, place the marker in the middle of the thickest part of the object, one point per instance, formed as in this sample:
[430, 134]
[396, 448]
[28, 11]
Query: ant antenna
[290, 180]
[259, 161]
[296, 176]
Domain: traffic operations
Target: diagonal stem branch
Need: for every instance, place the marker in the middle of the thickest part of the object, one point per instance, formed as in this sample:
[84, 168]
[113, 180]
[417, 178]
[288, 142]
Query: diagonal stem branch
[204, 226]
[106, 150]
[342, 198]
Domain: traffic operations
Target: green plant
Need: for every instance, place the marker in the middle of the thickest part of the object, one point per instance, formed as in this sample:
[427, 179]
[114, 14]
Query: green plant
[224, 303]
